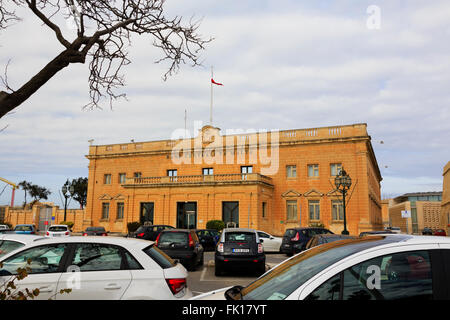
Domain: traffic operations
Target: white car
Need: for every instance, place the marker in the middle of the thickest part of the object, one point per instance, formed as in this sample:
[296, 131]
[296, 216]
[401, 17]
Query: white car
[12, 241]
[97, 268]
[3, 227]
[387, 267]
[270, 243]
[58, 230]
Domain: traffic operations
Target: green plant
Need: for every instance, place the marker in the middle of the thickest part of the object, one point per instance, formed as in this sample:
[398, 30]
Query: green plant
[215, 224]
[317, 225]
[133, 226]
[70, 224]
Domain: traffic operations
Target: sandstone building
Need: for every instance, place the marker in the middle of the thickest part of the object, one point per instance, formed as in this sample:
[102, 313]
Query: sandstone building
[425, 209]
[445, 205]
[268, 181]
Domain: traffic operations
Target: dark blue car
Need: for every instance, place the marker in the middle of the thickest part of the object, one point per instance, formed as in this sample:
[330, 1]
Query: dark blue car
[295, 239]
[25, 229]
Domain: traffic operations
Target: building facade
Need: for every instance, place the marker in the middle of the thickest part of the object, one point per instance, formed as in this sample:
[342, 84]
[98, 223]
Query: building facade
[425, 209]
[264, 180]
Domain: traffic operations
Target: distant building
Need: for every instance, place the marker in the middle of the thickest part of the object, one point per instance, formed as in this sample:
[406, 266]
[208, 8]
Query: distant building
[424, 207]
[445, 205]
[187, 182]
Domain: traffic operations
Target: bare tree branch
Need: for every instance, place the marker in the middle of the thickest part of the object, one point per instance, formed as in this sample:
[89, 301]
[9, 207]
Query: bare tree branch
[112, 24]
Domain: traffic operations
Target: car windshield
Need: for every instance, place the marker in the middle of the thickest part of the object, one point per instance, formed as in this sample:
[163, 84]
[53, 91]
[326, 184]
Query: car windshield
[23, 228]
[240, 237]
[281, 281]
[173, 237]
[57, 228]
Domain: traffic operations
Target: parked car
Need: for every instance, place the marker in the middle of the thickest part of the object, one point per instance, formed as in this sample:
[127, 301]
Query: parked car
[270, 243]
[95, 231]
[389, 267]
[58, 230]
[427, 231]
[295, 239]
[440, 232]
[182, 245]
[107, 268]
[208, 238]
[4, 227]
[13, 241]
[25, 229]
[377, 232]
[150, 232]
[239, 248]
[320, 239]
[394, 229]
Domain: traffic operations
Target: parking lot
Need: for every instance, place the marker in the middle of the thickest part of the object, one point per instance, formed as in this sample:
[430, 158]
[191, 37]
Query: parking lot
[203, 279]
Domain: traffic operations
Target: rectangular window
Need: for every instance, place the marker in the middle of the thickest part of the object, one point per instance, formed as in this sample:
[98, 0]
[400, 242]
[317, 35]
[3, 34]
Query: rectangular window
[264, 208]
[291, 171]
[208, 171]
[335, 169]
[107, 178]
[314, 209]
[172, 174]
[120, 210]
[245, 170]
[137, 174]
[337, 210]
[122, 178]
[105, 210]
[313, 170]
[291, 209]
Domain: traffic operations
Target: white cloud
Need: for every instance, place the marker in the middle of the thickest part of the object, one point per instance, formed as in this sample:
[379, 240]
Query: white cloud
[284, 64]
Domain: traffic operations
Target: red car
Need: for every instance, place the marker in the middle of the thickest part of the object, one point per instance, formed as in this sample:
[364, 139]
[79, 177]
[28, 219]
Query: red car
[440, 232]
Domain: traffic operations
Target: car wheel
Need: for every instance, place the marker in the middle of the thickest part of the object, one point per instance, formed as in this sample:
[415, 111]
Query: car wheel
[201, 261]
[218, 271]
[261, 269]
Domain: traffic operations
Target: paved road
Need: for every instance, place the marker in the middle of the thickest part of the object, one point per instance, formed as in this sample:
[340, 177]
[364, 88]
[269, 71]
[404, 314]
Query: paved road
[203, 279]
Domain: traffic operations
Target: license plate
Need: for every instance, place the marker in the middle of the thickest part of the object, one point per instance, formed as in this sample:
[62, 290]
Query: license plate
[241, 250]
[57, 235]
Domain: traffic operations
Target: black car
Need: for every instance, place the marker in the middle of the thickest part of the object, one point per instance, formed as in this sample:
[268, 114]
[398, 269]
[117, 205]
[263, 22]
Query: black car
[295, 239]
[208, 238]
[239, 248]
[320, 239]
[95, 231]
[182, 245]
[427, 231]
[150, 232]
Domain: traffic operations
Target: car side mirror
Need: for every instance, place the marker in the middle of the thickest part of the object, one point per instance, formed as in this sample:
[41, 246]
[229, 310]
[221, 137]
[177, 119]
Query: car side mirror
[234, 293]
[261, 240]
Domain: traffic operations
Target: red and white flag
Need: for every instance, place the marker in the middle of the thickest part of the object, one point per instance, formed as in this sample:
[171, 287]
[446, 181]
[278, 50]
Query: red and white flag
[219, 84]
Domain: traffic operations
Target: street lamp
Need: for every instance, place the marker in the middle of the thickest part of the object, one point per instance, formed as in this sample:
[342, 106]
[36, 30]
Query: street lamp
[343, 183]
[67, 193]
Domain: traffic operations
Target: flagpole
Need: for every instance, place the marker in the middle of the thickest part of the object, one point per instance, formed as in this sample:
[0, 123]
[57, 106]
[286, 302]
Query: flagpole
[211, 106]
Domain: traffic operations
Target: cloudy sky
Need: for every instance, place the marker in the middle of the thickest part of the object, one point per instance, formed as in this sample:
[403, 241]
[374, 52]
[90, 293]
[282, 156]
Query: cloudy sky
[284, 63]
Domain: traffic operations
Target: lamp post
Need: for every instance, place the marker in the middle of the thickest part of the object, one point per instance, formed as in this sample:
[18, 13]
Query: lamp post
[67, 193]
[343, 183]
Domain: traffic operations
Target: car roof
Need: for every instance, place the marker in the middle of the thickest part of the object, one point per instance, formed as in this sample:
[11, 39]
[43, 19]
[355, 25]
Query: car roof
[59, 225]
[24, 238]
[239, 230]
[129, 243]
[327, 235]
